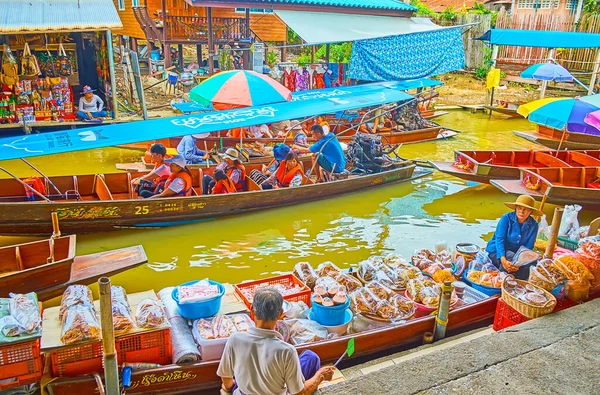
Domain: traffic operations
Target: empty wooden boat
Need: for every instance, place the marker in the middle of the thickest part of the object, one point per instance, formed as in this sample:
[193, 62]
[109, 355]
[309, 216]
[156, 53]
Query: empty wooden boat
[575, 185]
[509, 109]
[483, 166]
[553, 138]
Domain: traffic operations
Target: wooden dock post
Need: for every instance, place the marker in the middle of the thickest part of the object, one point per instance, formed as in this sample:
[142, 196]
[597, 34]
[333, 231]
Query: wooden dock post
[111, 367]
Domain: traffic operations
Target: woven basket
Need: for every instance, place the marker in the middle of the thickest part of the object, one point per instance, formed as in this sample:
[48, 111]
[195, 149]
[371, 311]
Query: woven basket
[526, 309]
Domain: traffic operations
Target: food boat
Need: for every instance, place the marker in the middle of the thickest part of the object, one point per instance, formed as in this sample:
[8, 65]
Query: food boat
[577, 185]
[484, 166]
[554, 138]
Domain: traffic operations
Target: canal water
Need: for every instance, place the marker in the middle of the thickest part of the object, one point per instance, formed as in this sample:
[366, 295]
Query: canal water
[345, 230]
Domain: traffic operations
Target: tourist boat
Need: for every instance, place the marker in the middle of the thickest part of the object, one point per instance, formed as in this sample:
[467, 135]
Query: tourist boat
[30, 266]
[203, 376]
[554, 138]
[483, 166]
[509, 109]
[576, 185]
[98, 202]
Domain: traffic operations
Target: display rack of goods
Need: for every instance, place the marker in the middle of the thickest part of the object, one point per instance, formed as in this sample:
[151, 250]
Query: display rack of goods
[288, 285]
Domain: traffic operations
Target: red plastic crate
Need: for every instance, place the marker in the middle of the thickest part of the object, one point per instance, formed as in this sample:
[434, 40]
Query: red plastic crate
[77, 360]
[286, 279]
[506, 316]
[21, 362]
[151, 347]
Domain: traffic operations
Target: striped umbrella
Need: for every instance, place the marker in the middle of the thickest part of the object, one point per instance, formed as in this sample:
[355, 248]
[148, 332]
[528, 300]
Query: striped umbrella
[239, 88]
[559, 113]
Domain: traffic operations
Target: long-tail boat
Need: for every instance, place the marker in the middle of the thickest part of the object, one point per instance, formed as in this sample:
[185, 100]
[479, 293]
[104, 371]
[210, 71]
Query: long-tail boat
[509, 109]
[483, 166]
[203, 376]
[553, 139]
[49, 266]
[576, 185]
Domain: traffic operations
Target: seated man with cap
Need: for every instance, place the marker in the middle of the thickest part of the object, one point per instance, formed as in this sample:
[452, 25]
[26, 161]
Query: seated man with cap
[259, 361]
[188, 149]
[232, 167]
[91, 106]
[180, 180]
[329, 153]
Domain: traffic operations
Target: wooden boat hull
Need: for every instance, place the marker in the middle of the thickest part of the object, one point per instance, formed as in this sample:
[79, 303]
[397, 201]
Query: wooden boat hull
[431, 114]
[551, 138]
[174, 379]
[34, 271]
[81, 216]
[510, 111]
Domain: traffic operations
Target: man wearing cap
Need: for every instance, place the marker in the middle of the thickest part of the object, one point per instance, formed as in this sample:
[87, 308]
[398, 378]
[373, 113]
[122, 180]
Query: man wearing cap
[91, 107]
[514, 230]
[188, 149]
[259, 361]
[233, 169]
[330, 155]
[179, 182]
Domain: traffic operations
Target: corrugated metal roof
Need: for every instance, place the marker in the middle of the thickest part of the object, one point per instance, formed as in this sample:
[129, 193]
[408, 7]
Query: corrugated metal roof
[396, 5]
[30, 16]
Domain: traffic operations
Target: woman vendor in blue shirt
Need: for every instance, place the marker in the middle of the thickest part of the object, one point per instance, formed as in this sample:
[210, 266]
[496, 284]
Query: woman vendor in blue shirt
[514, 230]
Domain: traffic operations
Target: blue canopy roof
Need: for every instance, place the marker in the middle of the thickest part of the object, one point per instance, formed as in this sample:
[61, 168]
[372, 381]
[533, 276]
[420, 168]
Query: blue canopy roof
[303, 104]
[541, 38]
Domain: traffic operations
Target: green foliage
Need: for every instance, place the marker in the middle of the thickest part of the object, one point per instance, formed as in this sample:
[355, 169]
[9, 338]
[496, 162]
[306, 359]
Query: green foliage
[422, 9]
[448, 14]
[271, 58]
[483, 69]
[479, 8]
[292, 37]
[590, 7]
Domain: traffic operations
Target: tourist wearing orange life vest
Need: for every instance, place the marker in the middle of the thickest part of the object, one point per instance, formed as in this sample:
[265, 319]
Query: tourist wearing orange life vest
[288, 174]
[232, 168]
[223, 184]
[180, 180]
[154, 182]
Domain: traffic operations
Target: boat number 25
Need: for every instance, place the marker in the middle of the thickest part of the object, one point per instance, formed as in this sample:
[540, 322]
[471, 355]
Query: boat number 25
[141, 210]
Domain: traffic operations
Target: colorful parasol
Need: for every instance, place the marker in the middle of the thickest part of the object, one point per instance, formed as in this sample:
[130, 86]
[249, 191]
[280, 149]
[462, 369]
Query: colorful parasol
[561, 113]
[548, 72]
[239, 88]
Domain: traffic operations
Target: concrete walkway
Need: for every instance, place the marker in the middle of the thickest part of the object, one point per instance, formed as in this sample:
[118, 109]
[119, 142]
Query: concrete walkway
[555, 354]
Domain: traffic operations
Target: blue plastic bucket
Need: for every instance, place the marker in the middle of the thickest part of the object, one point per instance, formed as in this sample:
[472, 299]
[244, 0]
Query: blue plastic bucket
[330, 316]
[155, 54]
[204, 309]
[490, 291]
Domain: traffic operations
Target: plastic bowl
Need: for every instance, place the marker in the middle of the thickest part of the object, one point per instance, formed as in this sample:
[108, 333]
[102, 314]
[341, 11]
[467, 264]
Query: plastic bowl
[204, 309]
[330, 316]
[337, 329]
[489, 291]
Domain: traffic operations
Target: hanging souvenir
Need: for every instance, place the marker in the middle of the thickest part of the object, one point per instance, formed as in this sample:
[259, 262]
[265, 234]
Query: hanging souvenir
[63, 65]
[10, 69]
[29, 63]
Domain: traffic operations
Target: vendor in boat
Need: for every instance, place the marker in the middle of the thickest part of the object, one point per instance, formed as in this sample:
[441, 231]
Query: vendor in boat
[259, 132]
[189, 150]
[288, 174]
[154, 182]
[233, 169]
[180, 180]
[514, 230]
[91, 106]
[259, 361]
[223, 183]
[299, 134]
[329, 153]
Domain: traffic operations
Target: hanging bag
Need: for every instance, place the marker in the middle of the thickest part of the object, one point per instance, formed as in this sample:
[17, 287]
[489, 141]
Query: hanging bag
[63, 62]
[29, 64]
[10, 69]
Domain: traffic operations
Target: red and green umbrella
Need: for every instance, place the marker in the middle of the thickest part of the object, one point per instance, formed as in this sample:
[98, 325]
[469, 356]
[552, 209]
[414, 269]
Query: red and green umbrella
[239, 88]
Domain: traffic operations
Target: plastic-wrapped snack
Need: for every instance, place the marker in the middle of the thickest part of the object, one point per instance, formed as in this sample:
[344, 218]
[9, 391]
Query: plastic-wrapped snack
[407, 273]
[122, 319]
[305, 272]
[197, 292]
[524, 256]
[80, 323]
[444, 258]
[588, 253]
[26, 312]
[442, 276]
[348, 281]
[205, 328]
[379, 289]
[574, 266]
[430, 296]
[76, 294]
[406, 307]
[366, 270]
[386, 310]
[297, 310]
[223, 326]
[540, 276]
[556, 271]
[395, 261]
[118, 295]
[328, 269]
[150, 314]
[305, 331]
[432, 268]
[363, 301]
[242, 322]
[324, 284]
[423, 258]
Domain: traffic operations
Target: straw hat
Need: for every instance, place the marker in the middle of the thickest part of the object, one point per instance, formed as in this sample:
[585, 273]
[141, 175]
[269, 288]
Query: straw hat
[524, 201]
[230, 153]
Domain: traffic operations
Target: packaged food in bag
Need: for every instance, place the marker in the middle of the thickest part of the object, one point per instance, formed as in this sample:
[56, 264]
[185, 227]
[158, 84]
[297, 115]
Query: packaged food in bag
[386, 310]
[380, 290]
[538, 275]
[525, 256]
[223, 326]
[25, 312]
[197, 292]
[305, 331]
[543, 229]
[297, 310]
[407, 273]
[395, 261]
[204, 328]
[406, 307]
[79, 323]
[324, 284]
[366, 270]
[347, 281]
[76, 294]
[328, 269]
[363, 301]
[242, 322]
[573, 268]
[305, 273]
[121, 311]
[150, 314]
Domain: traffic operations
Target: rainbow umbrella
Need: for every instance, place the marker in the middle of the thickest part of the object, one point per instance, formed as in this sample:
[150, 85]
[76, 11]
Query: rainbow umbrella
[239, 88]
[559, 113]
[548, 72]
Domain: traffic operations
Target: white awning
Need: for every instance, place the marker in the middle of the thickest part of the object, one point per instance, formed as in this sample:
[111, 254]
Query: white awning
[324, 27]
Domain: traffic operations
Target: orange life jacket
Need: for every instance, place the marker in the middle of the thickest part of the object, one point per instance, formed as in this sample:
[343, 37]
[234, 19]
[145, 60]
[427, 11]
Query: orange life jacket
[236, 132]
[224, 186]
[187, 180]
[35, 183]
[284, 177]
[240, 185]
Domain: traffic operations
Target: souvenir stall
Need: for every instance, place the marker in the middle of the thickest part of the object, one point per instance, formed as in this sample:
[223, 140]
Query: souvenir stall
[297, 77]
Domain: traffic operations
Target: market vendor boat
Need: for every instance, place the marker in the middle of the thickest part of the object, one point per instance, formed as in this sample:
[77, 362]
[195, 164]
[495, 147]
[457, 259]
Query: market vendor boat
[483, 166]
[554, 138]
[576, 185]
[49, 266]
[201, 376]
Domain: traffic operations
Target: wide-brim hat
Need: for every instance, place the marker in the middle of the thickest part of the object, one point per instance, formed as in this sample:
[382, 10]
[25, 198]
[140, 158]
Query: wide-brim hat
[280, 151]
[87, 89]
[524, 201]
[201, 135]
[176, 160]
[231, 153]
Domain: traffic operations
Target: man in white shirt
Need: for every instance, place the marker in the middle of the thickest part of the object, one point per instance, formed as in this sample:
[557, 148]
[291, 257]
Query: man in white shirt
[262, 363]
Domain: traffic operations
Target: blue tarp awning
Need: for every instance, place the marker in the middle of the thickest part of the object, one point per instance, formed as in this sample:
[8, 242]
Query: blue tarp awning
[541, 38]
[418, 83]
